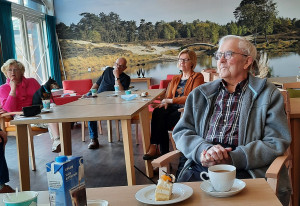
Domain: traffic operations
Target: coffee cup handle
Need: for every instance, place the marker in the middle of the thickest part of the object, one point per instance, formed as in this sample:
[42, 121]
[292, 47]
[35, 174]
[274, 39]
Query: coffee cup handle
[201, 176]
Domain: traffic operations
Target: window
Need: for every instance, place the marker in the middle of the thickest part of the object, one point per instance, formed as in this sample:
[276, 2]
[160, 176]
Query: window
[37, 5]
[30, 41]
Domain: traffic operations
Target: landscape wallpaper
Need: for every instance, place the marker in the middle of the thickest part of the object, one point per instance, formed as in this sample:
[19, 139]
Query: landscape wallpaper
[94, 33]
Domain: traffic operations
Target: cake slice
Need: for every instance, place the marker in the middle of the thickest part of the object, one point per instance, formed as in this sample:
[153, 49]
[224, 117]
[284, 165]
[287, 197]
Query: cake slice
[164, 187]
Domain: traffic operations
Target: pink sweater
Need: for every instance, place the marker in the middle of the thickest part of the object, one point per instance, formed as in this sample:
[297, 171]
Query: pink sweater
[24, 93]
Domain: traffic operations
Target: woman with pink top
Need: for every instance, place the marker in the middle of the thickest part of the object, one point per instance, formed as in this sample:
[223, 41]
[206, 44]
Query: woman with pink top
[18, 92]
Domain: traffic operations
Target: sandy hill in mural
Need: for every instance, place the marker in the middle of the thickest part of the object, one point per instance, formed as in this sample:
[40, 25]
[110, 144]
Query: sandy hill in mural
[97, 40]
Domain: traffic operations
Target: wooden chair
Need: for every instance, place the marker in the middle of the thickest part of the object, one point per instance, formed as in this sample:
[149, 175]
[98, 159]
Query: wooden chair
[272, 174]
[293, 89]
[273, 170]
[11, 131]
[208, 74]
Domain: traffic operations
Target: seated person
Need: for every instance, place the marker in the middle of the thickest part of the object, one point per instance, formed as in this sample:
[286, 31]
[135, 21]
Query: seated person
[238, 120]
[166, 115]
[106, 82]
[18, 92]
[4, 176]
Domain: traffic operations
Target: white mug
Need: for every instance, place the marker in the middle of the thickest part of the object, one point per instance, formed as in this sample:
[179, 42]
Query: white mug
[221, 177]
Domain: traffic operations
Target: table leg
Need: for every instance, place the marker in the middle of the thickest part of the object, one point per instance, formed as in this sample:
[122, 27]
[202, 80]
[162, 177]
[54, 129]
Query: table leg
[109, 131]
[145, 125]
[128, 151]
[22, 149]
[65, 138]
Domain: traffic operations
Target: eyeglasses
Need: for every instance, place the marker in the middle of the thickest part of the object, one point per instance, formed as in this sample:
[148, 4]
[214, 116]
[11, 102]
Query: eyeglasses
[227, 54]
[13, 70]
[183, 60]
[119, 65]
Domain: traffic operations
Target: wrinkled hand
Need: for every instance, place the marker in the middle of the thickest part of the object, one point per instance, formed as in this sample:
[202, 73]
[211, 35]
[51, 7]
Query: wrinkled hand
[165, 102]
[216, 155]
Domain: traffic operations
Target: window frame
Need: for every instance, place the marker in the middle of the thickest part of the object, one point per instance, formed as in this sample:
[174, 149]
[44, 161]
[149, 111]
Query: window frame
[25, 14]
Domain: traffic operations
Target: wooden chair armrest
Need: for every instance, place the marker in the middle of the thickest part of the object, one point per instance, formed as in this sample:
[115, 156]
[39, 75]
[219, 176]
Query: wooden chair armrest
[165, 159]
[275, 167]
[10, 114]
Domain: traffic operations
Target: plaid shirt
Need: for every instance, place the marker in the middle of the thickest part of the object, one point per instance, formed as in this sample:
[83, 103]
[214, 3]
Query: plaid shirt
[224, 122]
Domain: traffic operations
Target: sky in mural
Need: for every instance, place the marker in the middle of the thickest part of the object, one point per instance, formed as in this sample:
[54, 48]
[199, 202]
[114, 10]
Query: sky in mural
[219, 11]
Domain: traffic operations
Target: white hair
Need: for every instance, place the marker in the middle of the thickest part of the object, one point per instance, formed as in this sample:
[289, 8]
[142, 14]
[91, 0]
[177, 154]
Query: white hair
[244, 45]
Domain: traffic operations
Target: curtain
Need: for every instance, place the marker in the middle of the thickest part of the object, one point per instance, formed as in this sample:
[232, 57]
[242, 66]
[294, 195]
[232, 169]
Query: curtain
[53, 49]
[6, 35]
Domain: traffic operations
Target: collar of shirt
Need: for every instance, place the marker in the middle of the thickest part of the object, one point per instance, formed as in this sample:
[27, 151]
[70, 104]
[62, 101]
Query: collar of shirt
[239, 87]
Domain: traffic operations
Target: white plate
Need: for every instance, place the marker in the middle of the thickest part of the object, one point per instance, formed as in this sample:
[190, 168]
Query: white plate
[238, 186]
[97, 203]
[180, 192]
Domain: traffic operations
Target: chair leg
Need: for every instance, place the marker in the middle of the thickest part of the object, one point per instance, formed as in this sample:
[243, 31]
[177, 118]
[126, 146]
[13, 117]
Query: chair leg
[117, 129]
[31, 148]
[137, 134]
[109, 131]
[83, 131]
[100, 128]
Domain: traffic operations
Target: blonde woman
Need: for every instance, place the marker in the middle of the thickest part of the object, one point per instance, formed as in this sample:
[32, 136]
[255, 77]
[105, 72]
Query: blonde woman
[18, 91]
[166, 115]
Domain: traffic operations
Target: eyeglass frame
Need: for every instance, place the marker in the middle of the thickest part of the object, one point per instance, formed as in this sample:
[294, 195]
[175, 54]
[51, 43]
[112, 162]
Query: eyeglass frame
[13, 70]
[183, 60]
[227, 55]
[119, 65]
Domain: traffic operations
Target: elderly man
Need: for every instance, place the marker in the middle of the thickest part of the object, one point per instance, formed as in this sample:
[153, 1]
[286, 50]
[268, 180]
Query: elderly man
[238, 120]
[109, 78]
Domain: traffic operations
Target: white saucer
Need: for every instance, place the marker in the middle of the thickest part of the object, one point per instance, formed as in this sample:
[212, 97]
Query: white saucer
[238, 186]
[180, 192]
[97, 203]
[46, 110]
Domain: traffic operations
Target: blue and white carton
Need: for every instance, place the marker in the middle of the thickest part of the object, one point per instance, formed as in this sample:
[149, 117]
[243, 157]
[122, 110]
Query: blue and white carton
[66, 181]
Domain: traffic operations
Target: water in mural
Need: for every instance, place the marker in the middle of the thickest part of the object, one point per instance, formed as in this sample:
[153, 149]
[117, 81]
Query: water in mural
[284, 65]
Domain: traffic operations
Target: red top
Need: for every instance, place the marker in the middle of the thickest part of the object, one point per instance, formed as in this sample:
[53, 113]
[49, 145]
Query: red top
[24, 93]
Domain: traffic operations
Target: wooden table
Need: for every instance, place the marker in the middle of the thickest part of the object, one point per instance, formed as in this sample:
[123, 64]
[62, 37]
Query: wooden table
[68, 113]
[295, 145]
[279, 81]
[110, 98]
[146, 79]
[256, 192]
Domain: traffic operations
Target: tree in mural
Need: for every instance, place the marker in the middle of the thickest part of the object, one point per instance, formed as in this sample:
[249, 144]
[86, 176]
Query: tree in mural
[257, 15]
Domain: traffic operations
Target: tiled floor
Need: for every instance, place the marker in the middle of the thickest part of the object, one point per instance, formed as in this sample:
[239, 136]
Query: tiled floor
[103, 167]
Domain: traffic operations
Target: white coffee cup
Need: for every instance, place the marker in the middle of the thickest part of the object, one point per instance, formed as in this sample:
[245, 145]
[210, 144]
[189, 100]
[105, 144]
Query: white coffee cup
[221, 177]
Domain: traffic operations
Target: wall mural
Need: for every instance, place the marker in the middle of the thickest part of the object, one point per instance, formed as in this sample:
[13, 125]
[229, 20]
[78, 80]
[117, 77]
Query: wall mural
[149, 34]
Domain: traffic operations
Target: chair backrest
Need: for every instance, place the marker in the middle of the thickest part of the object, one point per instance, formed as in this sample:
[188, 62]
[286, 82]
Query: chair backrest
[81, 86]
[293, 89]
[292, 85]
[208, 74]
[170, 76]
[164, 83]
[288, 152]
[287, 105]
